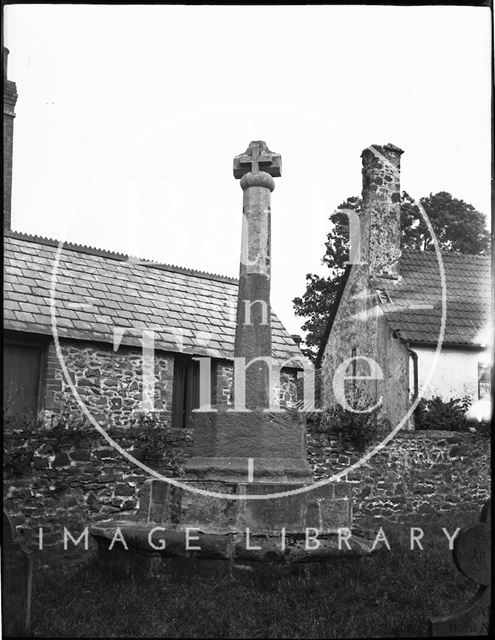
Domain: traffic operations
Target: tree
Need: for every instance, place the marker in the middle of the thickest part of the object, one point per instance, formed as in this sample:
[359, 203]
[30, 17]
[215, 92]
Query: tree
[458, 227]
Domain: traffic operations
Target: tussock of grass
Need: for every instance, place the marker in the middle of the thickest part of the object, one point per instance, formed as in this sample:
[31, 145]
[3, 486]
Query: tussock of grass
[390, 593]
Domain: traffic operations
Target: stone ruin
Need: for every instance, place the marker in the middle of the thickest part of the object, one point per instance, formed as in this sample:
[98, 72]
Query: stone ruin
[248, 490]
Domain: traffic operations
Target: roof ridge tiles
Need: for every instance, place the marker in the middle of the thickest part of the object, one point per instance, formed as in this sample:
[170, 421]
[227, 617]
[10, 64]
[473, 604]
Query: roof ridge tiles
[105, 253]
[446, 254]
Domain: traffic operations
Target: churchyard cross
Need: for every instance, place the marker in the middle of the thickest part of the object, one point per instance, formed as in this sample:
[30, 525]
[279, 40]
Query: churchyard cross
[249, 462]
[255, 168]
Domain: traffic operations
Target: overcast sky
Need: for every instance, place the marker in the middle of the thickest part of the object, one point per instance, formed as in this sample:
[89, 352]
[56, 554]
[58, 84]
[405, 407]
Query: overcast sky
[128, 119]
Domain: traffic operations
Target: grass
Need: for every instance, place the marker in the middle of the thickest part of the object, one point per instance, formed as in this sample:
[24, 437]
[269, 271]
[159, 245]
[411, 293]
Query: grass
[390, 593]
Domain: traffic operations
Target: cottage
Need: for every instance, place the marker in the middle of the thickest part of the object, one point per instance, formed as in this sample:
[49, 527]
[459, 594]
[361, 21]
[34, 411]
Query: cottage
[382, 336]
[116, 319]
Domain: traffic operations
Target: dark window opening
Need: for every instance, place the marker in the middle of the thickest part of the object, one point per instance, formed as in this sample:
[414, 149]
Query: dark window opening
[185, 391]
[22, 365]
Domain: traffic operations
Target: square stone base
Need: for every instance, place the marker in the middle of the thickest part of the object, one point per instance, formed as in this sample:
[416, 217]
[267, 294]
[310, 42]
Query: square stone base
[232, 446]
[326, 508]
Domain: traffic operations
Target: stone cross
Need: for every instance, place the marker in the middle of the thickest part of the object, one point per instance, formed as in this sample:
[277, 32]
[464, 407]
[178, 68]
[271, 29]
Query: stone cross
[253, 444]
[472, 556]
[257, 157]
[255, 168]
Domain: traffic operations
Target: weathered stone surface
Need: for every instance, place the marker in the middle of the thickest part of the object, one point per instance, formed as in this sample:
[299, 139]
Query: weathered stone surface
[224, 442]
[472, 556]
[41, 495]
[253, 338]
[472, 553]
[359, 323]
[148, 540]
[178, 508]
[271, 516]
[380, 227]
[401, 476]
[249, 434]
[252, 444]
[257, 157]
[110, 382]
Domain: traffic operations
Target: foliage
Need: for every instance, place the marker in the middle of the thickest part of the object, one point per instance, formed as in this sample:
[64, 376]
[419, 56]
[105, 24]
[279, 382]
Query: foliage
[19, 446]
[65, 430]
[17, 455]
[357, 428]
[447, 416]
[458, 226]
[153, 435]
[22, 435]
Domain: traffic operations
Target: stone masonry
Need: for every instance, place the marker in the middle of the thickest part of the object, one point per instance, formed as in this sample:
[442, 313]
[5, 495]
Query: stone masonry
[9, 102]
[419, 474]
[110, 383]
[359, 328]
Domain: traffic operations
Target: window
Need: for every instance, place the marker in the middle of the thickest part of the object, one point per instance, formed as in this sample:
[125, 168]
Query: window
[22, 365]
[185, 390]
[484, 381]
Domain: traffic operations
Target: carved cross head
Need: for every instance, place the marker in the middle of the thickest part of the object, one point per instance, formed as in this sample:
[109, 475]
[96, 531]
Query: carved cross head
[257, 157]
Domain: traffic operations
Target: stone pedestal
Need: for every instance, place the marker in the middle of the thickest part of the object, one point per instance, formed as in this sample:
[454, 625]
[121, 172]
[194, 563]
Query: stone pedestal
[249, 446]
[327, 508]
[178, 523]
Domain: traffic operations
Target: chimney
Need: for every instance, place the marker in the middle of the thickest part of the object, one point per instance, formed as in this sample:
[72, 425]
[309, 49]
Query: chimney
[297, 339]
[380, 215]
[9, 101]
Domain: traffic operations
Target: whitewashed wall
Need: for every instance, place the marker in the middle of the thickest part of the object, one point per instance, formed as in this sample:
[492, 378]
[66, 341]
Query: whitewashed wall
[456, 373]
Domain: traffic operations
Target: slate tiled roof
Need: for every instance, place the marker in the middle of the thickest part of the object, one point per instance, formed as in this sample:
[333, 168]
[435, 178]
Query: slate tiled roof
[412, 305]
[192, 312]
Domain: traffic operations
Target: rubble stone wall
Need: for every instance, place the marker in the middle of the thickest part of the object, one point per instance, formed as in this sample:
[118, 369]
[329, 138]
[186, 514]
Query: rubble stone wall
[73, 482]
[108, 382]
[417, 473]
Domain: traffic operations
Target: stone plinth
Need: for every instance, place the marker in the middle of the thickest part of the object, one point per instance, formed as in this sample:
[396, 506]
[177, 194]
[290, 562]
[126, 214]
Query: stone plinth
[242, 445]
[233, 548]
[176, 523]
[327, 508]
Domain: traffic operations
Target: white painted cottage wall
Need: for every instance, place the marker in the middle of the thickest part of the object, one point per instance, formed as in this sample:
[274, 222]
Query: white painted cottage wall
[456, 373]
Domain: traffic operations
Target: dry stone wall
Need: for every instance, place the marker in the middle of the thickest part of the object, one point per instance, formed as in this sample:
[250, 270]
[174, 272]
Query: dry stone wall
[418, 473]
[73, 481]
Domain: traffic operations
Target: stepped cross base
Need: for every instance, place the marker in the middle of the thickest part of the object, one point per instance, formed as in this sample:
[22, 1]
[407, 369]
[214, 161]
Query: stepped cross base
[238, 454]
[174, 523]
